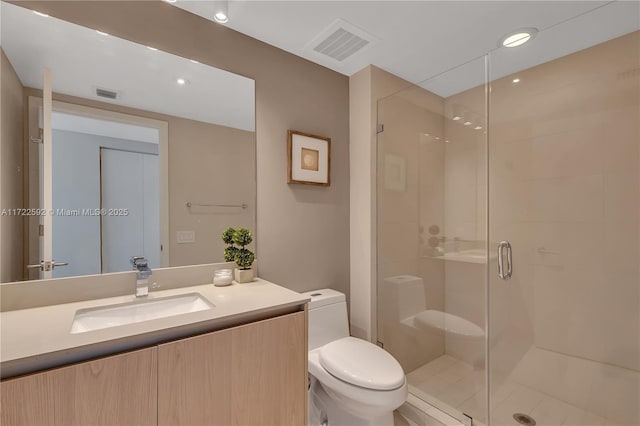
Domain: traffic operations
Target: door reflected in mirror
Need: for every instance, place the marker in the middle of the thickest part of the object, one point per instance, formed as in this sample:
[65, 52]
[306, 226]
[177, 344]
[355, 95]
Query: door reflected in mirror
[136, 136]
[105, 191]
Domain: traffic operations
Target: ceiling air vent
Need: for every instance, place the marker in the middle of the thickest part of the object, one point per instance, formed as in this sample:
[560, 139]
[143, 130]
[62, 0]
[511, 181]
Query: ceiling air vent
[340, 41]
[104, 93]
[341, 44]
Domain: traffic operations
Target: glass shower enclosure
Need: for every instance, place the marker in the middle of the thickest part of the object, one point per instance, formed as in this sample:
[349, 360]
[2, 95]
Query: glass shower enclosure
[508, 237]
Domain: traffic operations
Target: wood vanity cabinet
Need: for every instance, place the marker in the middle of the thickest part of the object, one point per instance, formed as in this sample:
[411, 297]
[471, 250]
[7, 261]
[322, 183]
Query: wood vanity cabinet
[251, 375]
[116, 390]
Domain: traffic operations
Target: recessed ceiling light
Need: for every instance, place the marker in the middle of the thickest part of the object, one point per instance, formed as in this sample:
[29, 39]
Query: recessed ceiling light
[181, 81]
[151, 48]
[516, 40]
[518, 37]
[44, 15]
[221, 11]
[194, 61]
[221, 17]
[102, 33]
[467, 123]
[457, 113]
[478, 128]
[437, 138]
[516, 80]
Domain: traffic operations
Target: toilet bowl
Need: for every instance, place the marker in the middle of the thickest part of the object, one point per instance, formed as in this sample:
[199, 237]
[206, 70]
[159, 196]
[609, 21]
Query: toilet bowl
[352, 382]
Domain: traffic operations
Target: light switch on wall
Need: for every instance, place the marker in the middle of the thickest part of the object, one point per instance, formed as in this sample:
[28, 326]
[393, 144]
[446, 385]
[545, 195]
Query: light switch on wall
[186, 237]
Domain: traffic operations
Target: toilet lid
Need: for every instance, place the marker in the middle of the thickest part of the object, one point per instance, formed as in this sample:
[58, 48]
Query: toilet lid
[361, 363]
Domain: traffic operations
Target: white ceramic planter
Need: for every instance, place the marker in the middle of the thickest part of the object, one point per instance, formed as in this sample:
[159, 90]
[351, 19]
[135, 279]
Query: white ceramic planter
[243, 275]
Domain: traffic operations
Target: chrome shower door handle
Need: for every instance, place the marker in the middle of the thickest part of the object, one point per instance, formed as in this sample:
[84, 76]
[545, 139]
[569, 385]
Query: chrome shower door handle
[501, 246]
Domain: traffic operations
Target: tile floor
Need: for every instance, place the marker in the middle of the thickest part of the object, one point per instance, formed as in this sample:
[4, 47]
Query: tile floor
[451, 384]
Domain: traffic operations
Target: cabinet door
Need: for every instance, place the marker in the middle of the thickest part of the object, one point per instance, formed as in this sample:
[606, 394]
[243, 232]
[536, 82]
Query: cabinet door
[116, 390]
[252, 375]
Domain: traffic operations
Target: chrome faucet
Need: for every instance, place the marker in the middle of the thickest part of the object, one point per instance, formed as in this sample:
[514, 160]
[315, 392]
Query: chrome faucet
[143, 271]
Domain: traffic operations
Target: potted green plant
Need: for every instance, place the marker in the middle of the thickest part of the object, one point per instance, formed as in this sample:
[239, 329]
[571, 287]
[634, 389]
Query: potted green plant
[231, 249]
[243, 257]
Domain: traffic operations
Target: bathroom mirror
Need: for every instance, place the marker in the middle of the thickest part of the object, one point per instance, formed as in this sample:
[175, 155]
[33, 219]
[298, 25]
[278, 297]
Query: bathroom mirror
[151, 154]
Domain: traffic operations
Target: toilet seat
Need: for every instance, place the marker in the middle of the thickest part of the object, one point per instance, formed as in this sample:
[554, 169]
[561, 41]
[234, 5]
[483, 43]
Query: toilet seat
[362, 364]
[355, 399]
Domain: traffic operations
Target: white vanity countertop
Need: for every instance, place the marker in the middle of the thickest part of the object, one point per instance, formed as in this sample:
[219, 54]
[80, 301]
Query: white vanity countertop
[37, 338]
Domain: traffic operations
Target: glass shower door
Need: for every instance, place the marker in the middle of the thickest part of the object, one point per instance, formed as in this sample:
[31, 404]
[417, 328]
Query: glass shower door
[564, 191]
[431, 245]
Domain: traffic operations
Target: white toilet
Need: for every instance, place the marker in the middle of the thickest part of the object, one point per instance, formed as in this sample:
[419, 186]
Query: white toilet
[352, 382]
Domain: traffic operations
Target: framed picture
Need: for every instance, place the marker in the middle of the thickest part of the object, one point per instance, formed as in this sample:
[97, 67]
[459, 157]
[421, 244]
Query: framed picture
[395, 172]
[309, 159]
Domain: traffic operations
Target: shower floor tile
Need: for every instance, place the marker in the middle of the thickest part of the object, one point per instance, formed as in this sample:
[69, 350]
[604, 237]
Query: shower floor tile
[448, 383]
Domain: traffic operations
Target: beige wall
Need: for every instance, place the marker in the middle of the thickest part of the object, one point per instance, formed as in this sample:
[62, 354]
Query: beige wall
[302, 232]
[208, 164]
[11, 157]
[362, 205]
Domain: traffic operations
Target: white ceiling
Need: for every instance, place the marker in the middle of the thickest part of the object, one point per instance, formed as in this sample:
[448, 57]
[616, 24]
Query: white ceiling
[82, 60]
[112, 129]
[417, 40]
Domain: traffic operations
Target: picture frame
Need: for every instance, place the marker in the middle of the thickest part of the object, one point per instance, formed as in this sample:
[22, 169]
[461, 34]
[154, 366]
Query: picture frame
[308, 159]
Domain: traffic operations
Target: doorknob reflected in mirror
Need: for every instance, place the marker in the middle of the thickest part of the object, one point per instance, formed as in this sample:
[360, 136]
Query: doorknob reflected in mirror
[48, 265]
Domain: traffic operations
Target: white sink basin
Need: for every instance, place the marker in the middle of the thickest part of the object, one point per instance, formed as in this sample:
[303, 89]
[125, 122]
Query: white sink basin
[128, 313]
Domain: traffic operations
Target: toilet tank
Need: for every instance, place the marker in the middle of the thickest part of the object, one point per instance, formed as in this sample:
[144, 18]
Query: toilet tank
[400, 297]
[327, 317]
